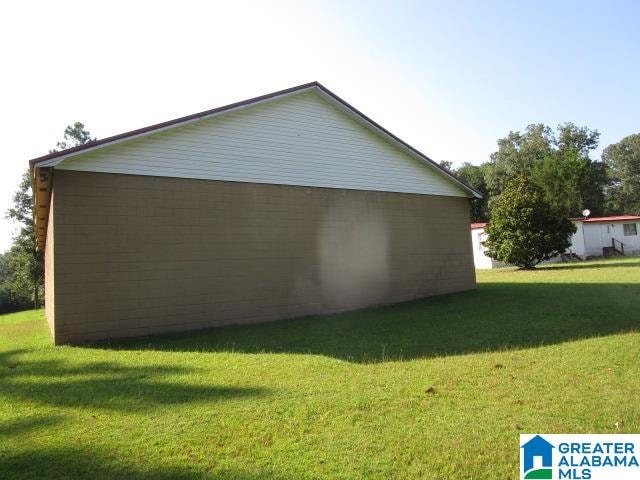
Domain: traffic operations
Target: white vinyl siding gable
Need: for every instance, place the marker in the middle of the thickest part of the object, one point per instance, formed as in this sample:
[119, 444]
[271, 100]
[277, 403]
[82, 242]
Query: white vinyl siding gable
[298, 140]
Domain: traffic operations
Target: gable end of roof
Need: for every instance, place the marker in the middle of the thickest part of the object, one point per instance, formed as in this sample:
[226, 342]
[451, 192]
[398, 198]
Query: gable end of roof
[52, 159]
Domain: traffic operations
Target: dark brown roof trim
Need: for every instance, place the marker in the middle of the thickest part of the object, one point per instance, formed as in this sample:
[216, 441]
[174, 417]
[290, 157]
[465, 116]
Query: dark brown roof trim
[231, 106]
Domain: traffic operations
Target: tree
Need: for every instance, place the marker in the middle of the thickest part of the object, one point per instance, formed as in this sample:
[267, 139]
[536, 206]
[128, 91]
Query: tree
[517, 154]
[473, 175]
[447, 165]
[25, 265]
[572, 137]
[525, 229]
[571, 182]
[558, 162]
[623, 161]
[23, 268]
[74, 135]
[575, 181]
[9, 301]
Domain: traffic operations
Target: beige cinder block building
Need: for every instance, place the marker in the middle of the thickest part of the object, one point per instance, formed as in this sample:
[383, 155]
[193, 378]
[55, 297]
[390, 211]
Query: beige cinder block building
[285, 205]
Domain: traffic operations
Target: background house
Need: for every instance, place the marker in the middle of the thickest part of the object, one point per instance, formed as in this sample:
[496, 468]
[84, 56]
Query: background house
[480, 258]
[604, 236]
[285, 205]
[594, 237]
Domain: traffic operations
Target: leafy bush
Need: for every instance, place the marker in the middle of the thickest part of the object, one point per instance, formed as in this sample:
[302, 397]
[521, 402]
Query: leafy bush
[525, 229]
[10, 302]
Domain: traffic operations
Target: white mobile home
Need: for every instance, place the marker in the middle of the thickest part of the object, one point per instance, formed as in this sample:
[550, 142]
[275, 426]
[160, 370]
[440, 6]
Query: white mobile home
[480, 257]
[594, 237]
[606, 236]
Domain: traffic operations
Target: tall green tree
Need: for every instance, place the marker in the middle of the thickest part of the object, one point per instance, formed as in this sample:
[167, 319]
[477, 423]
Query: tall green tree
[517, 154]
[557, 161]
[525, 229]
[623, 161]
[74, 135]
[571, 137]
[447, 164]
[474, 176]
[571, 182]
[23, 267]
[24, 264]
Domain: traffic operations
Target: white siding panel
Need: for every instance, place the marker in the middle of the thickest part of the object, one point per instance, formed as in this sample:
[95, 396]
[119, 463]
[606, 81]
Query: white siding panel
[299, 140]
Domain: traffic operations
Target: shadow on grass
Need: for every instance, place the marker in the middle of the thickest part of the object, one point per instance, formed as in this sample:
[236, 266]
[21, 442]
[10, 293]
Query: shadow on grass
[22, 426]
[105, 385]
[494, 317]
[70, 463]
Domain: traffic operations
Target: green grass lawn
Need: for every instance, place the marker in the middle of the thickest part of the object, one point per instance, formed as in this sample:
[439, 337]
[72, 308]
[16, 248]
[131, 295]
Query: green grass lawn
[555, 350]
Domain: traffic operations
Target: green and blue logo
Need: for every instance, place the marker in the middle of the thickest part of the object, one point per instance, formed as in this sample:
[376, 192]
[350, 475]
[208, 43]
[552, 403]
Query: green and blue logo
[537, 459]
[580, 456]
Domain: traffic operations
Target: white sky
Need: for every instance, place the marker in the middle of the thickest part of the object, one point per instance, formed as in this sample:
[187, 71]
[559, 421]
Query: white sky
[118, 66]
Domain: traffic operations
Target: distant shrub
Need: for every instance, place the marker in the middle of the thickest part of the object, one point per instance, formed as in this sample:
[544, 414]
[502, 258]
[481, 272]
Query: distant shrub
[9, 302]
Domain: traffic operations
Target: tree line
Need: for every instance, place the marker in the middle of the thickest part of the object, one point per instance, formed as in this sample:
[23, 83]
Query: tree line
[21, 267]
[558, 163]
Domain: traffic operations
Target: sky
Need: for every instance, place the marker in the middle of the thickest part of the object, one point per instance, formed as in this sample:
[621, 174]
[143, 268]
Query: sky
[449, 77]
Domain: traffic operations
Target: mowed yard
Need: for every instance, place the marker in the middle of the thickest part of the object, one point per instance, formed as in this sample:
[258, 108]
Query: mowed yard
[554, 350]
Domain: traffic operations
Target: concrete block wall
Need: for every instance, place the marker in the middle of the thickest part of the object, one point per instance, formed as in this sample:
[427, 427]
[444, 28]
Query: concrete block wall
[138, 255]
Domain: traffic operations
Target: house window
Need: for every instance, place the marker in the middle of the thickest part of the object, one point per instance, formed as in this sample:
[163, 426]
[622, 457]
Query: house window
[630, 229]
